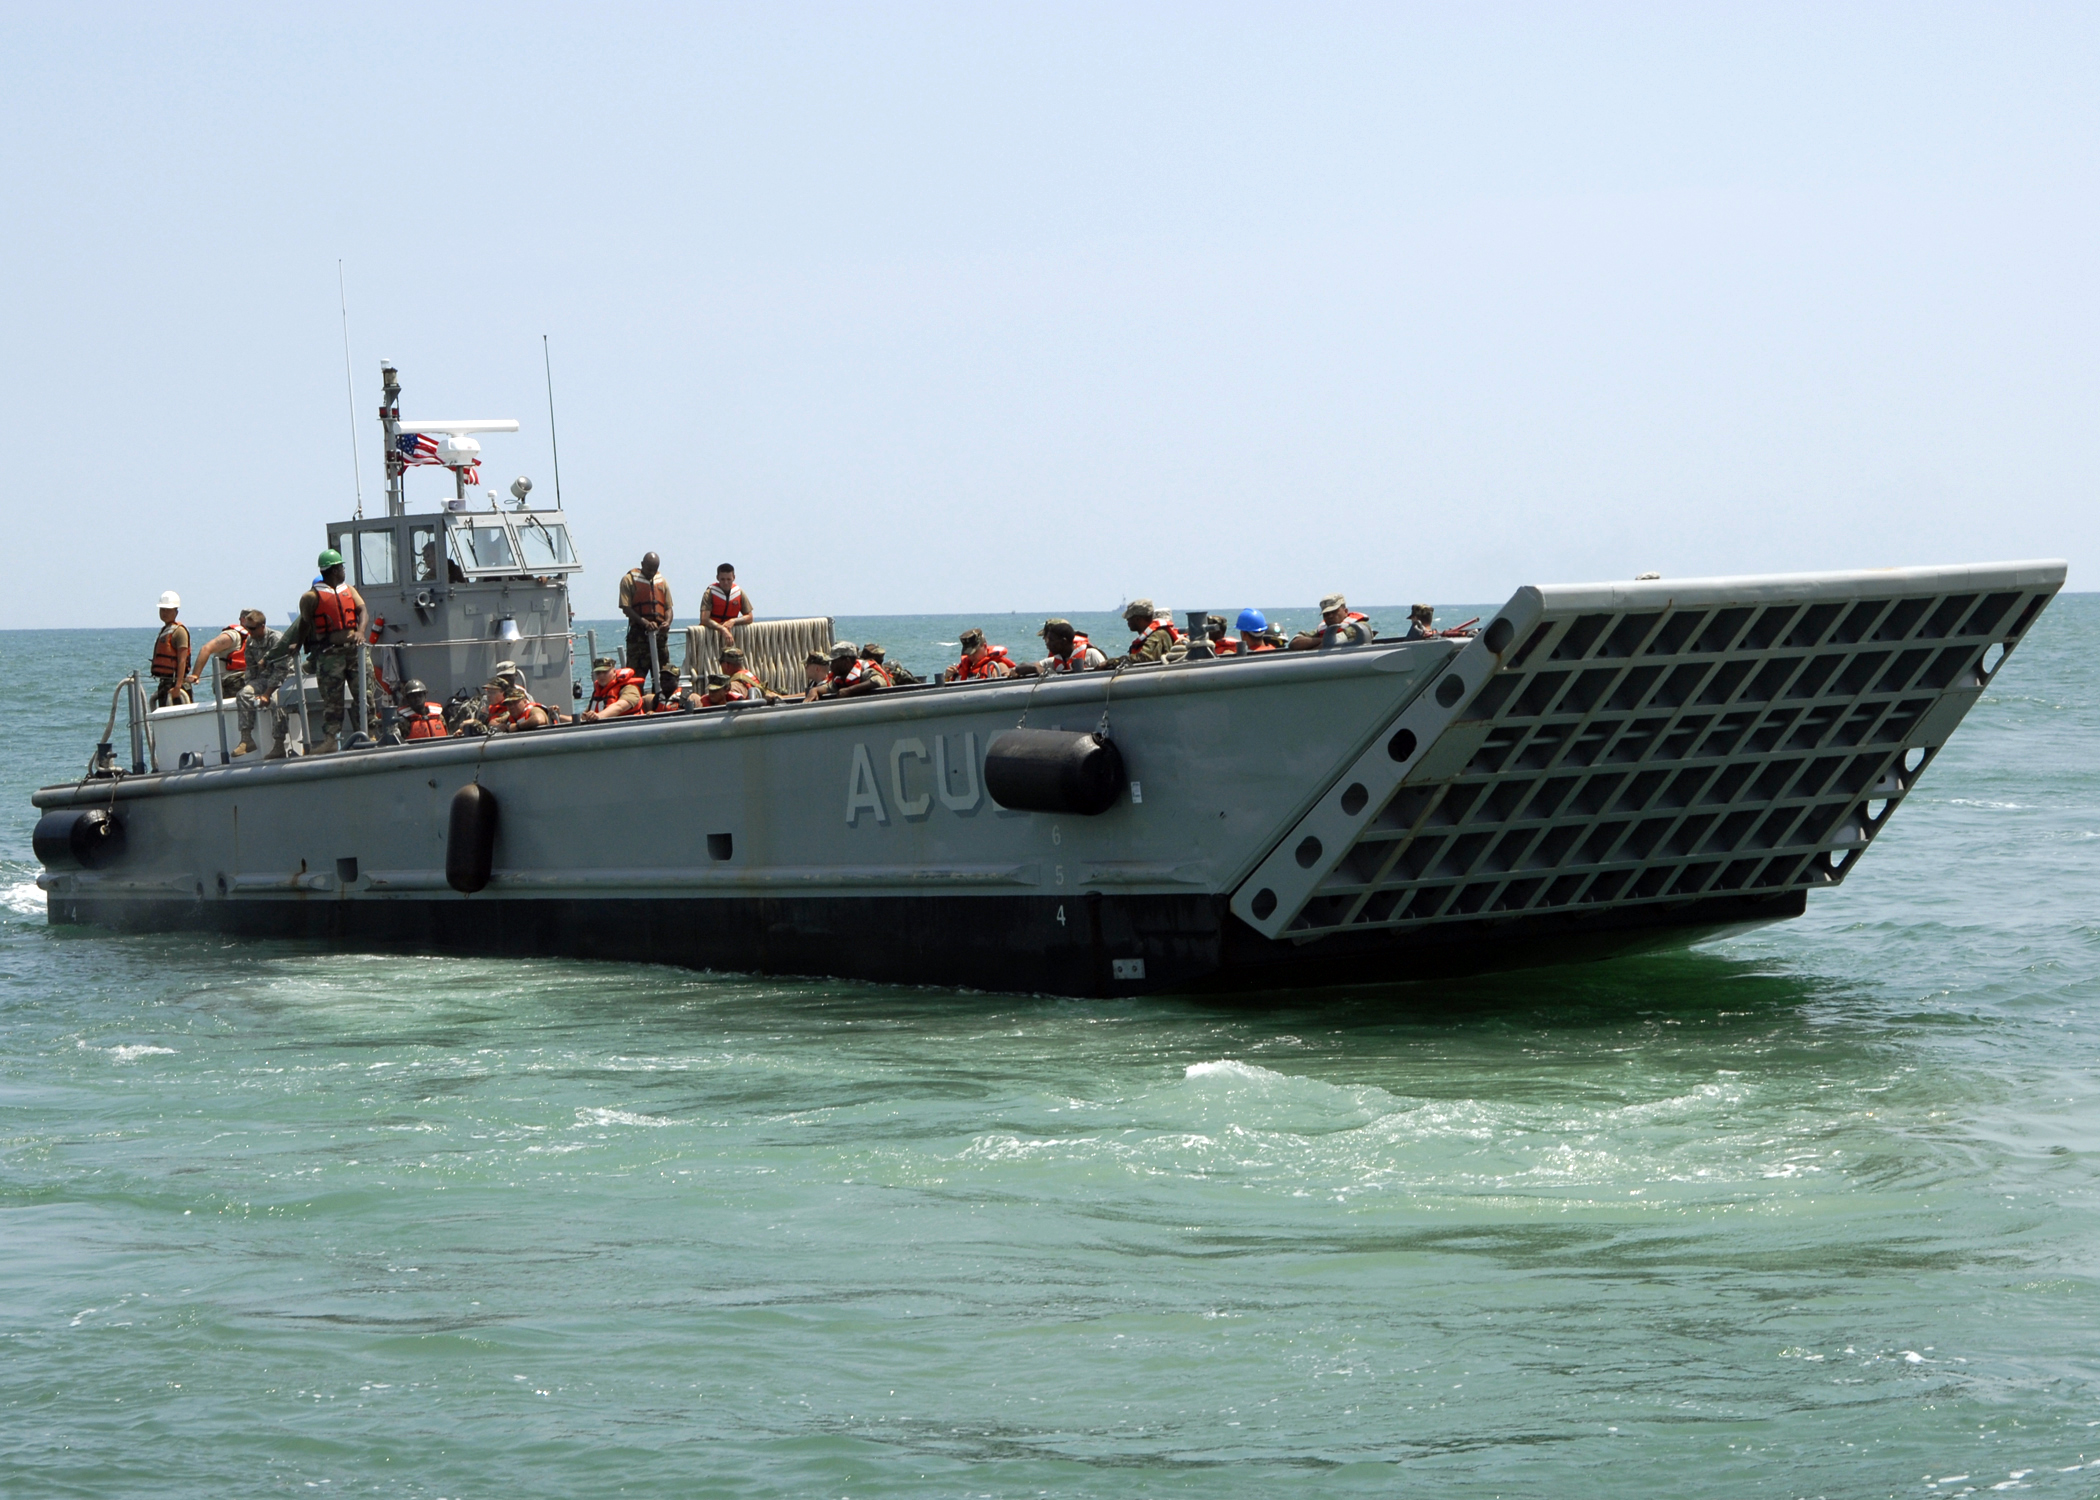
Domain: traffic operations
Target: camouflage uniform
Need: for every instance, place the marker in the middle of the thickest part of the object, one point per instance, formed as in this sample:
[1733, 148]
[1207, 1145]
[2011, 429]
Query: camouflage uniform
[335, 672]
[254, 683]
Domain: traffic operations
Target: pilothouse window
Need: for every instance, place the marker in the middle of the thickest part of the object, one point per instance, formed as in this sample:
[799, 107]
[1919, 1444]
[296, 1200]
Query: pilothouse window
[545, 544]
[423, 553]
[375, 556]
[484, 547]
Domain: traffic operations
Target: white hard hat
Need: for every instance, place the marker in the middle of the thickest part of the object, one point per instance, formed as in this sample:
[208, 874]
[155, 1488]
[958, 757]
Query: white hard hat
[171, 600]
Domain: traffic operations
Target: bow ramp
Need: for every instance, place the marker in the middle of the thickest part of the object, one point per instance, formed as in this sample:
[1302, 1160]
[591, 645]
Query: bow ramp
[1600, 746]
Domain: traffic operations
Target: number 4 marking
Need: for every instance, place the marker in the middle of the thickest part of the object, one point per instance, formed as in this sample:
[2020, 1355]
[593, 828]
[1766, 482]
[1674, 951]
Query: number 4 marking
[1060, 916]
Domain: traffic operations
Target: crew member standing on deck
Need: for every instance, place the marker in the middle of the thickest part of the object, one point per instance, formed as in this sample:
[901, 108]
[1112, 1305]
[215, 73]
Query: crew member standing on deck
[231, 644]
[725, 609]
[645, 598]
[171, 654]
[331, 618]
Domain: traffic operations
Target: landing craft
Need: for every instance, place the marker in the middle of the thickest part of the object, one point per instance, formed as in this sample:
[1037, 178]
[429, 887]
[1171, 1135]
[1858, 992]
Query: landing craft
[1603, 768]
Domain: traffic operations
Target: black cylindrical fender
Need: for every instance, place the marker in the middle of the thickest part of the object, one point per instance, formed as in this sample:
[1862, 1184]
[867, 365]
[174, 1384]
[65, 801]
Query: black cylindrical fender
[1050, 770]
[78, 838]
[470, 838]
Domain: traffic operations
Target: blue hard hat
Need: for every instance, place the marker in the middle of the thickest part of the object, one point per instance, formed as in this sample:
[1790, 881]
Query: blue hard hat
[1252, 619]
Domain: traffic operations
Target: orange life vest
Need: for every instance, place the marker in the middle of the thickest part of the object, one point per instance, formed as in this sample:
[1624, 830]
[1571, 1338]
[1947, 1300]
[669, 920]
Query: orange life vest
[649, 598]
[606, 696]
[729, 695]
[237, 659]
[170, 660]
[721, 606]
[1255, 644]
[336, 608]
[425, 721]
[1226, 645]
[1174, 635]
[1073, 660]
[517, 711]
[995, 657]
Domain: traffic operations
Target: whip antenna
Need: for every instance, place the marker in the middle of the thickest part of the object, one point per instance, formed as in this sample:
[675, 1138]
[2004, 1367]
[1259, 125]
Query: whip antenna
[552, 436]
[357, 477]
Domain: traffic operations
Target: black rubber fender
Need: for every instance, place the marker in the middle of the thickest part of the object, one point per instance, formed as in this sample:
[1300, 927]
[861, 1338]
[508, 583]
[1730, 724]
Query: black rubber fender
[470, 839]
[1053, 771]
[78, 838]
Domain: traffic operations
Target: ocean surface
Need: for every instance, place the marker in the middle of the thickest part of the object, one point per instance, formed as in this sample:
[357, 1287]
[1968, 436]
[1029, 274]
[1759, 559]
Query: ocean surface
[1815, 1211]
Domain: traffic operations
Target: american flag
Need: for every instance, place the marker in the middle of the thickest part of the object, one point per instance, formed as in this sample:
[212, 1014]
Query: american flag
[412, 448]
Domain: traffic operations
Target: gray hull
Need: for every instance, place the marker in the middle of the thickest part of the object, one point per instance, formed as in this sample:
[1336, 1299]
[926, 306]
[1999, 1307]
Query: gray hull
[1603, 768]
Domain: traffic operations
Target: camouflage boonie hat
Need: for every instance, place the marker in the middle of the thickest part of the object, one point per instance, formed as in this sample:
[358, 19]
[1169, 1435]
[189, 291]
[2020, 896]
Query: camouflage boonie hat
[1420, 612]
[605, 664]
[972, 639]
[1138, 607]
[1329, 603]
[732, 653]
[716, 680]
[816, 659]
[1063, 625]
[844, 650]
[872, 651]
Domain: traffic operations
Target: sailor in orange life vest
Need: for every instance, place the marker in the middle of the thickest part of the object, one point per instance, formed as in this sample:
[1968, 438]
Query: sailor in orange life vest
[720, 693]
[1255, 635]
[1155, 634]
[725, 608]
[171, 654]
[332, 615]
[1069, 652]
[1339, 626]
[979, 660]
[420, 718]
[615, 692]
[519, 712]
[665, 700]
[742, 678]
[1214, 629]
[232, 645]
[850, 677]
[645, 598]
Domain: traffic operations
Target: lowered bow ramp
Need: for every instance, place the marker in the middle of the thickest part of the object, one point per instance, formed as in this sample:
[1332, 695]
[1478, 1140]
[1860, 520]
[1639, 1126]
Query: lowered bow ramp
[1650, 744]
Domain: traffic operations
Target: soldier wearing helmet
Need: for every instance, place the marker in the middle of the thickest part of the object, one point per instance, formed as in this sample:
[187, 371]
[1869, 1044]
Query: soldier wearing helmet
[332, 618]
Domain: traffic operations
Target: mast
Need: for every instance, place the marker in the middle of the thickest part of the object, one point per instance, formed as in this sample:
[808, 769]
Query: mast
[390, 422]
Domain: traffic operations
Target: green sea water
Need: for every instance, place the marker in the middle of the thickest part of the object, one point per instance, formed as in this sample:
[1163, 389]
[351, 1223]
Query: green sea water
[1815, 1211]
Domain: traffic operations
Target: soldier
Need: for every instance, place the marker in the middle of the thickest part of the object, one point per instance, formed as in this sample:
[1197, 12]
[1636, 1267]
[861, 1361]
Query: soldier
[260, 681]
[816, 673]
[665, 700]
[1156, 636]
[615, 691]
[331, 619]
[899, 676]
[518, 713]
[725, 608]
[1421, 623]
[171, 654]
[721, 692]
[1069, 652]
[742, 678]
[980, 660]
[1220, 643]
[849, 676]
[1339, 626]
[645, 598]
[423, 720]
[1255, 635]
[232, 645]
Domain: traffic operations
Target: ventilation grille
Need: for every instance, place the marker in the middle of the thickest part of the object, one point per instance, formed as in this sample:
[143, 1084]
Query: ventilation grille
[1667, 754]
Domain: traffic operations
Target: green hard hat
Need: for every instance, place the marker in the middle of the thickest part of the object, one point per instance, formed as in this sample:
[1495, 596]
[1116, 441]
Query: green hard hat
[330, 558]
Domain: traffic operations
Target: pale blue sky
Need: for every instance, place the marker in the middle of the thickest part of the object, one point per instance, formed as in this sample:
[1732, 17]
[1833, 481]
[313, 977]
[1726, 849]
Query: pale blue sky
[983, 307]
